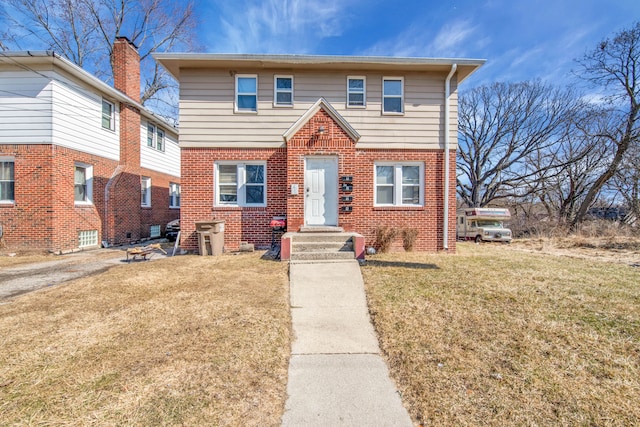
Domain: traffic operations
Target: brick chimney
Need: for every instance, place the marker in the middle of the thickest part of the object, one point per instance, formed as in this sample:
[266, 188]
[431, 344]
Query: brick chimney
[126, 68]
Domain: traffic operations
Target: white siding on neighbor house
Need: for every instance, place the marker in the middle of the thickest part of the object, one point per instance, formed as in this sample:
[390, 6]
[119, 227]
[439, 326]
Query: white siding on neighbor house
[207, 117]
[167, 161]
[25, 107]
[77, 119]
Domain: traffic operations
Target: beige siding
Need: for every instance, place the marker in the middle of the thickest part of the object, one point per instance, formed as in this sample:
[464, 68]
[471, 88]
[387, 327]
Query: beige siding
[207, 117]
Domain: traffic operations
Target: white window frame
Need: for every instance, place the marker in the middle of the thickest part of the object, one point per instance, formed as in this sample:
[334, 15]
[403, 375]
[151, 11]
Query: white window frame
[241, 179]
[111, 117]
[364, 92]
[276, 91]
[174, 195]
[145, 197]
[88, 177]
[397, 184]
[11, 160]
[401, 96]
[237, 109]
[160, 139]
[151, 135]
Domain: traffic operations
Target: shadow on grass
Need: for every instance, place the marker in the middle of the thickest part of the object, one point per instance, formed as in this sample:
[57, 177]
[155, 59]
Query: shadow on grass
[416, 265]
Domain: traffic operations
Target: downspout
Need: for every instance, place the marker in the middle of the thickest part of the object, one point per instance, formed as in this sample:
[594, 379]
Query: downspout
[447, 142]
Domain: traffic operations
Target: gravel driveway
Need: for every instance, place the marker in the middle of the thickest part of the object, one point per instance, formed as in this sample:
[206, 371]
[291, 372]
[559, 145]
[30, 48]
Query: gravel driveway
[30, 277]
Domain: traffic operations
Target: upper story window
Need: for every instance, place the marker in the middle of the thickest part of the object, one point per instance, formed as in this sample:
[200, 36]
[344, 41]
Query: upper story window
[83, 183]
[155, 137]
[283, 93]
[145, 192]
[399, 184]
[160, 140]
[393, 95]
[246, 93]
[151, 135]
[7, 181]
[241, 184]
[356, 91]
[174, 195]
[107, 115]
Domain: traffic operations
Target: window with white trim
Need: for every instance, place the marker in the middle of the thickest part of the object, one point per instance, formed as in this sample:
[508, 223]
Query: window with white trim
[356, 91]
[246, 93]
[7, 181]
[107, 115]
[160, 140]
[82, 184]
[283, 91]
[174, 195]
[145, 192]
[87, 238]
[151, 135]
[392, 95]
[399, 184]
[241, 184]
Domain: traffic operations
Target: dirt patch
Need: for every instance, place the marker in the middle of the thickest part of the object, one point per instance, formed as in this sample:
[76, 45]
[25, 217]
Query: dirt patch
[620, 249]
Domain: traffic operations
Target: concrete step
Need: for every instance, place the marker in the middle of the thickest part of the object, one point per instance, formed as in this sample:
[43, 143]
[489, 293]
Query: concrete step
[315, 256]
[318, 246]
[322, 237]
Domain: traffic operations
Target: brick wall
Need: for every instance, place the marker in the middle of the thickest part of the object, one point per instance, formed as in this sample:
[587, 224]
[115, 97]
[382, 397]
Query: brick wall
[286, 166]
[241, 224]
[45, 215]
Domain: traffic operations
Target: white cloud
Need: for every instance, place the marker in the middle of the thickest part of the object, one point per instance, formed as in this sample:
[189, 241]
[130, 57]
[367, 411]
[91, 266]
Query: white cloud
[452, 40]
[278, 26]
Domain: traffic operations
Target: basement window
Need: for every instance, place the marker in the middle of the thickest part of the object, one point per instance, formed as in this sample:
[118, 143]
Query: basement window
[155, 231]
[87, 238]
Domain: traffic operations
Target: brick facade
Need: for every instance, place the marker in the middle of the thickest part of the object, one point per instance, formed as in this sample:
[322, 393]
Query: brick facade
[285, 166]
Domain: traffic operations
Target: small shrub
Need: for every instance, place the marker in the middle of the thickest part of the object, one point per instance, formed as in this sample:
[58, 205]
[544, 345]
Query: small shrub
[409, 236]
[384, 237]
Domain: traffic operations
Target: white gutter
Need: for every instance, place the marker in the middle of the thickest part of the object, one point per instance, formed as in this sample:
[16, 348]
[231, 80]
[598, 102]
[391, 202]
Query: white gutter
[447, 137]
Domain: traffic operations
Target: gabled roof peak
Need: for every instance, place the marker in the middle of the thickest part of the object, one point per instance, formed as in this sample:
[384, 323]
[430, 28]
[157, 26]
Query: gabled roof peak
[321, 104]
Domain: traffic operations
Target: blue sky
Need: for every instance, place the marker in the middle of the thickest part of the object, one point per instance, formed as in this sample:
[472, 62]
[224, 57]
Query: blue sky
[520, 39]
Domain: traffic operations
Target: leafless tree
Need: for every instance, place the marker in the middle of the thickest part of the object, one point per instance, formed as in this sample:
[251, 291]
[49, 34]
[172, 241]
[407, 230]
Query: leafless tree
[626, 182]
[614, 66]
[578, 158]
[501, 128]
[84, 31]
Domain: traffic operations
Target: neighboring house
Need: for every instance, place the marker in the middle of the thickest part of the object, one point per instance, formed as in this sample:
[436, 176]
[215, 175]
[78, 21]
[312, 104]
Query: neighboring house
[81, 163]
[354, 142]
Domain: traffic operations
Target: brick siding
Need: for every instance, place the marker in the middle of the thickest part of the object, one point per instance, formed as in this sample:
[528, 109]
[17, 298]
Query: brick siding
[285, 166]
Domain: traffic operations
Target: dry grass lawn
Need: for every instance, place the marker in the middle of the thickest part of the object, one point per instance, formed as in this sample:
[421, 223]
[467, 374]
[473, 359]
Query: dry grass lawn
[495, 336]
[181, 341]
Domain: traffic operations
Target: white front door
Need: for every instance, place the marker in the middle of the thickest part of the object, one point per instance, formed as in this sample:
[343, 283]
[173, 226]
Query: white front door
[321, 191]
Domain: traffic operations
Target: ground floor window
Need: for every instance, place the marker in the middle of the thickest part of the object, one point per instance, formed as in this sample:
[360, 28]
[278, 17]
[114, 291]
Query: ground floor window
[87, 238]
[399, 184]
[174, 195]
[145, 192]
[83, 183]
[7, 181]
[241, 184]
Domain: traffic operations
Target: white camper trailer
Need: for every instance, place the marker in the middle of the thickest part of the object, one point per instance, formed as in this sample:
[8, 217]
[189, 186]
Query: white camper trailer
[483, 224]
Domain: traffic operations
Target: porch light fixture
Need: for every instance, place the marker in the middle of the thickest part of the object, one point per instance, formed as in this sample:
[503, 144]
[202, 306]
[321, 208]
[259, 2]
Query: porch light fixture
[321, 130]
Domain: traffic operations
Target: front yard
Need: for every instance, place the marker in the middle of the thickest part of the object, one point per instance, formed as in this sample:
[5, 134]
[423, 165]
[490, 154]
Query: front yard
[490, 336]
[495, 336]
[182, 341]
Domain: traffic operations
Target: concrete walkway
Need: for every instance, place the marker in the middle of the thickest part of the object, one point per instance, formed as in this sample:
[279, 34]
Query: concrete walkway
[336, 374]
